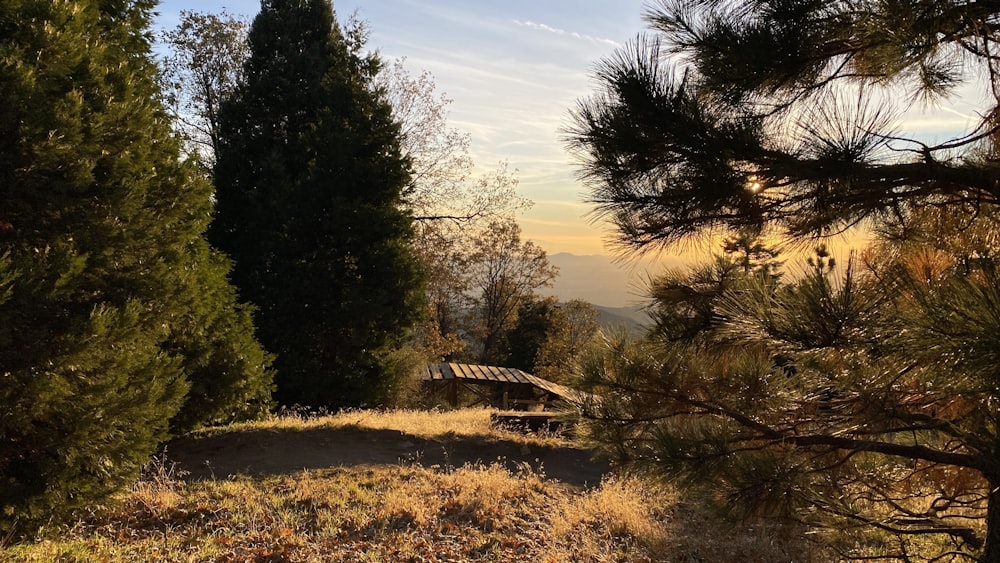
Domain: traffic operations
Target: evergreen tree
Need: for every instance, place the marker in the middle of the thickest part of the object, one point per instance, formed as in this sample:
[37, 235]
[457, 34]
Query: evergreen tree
[537, 318]
[112, 306]
[787, 115]
[860, 402]
[685, 303]
[309, 180]
[228, 370]
[857, 409]
[205, 63]
[549, 337]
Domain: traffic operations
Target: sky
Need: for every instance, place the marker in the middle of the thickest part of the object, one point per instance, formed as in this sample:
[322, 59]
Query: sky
[513, 69]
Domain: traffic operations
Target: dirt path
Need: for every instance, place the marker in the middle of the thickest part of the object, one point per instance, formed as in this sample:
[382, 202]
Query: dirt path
[268, 452]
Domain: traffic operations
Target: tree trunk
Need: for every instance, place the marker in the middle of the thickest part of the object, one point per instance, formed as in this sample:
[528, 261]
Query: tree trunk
[991, 552]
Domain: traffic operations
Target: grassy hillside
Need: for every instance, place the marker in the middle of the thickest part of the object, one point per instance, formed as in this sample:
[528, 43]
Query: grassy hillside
[461, 510]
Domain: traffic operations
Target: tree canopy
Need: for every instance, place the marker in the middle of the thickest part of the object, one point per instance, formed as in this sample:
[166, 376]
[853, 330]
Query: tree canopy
[445, 198]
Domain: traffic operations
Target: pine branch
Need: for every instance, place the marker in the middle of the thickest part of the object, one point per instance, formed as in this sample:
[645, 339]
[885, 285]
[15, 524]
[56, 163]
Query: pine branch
[972, 461]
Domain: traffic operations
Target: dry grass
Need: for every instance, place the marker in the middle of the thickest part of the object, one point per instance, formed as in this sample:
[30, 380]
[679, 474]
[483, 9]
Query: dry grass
[460, 423]
[402, 513]
[394, 514]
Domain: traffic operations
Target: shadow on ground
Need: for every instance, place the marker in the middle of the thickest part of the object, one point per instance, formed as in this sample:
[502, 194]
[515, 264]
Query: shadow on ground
[276, 452]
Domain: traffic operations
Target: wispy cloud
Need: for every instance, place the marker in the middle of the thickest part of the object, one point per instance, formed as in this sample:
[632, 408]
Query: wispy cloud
[573, 34]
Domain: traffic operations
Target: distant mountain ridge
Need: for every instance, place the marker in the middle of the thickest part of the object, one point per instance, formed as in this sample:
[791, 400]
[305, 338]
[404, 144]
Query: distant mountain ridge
[633, 319]
[599, 280]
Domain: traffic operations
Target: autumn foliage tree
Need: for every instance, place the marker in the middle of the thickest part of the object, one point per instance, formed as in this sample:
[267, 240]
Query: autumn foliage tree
[857, 400]
[505, 272]
[452, 206]
[203, 65]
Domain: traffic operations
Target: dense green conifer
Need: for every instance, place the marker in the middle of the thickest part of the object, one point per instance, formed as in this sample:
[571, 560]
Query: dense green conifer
[112, 306]
[309, 181]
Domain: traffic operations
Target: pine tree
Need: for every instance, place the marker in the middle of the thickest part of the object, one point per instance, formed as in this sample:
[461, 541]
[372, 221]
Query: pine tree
[787, 115]
[309, 180]
[105, 281]
[860, 402]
